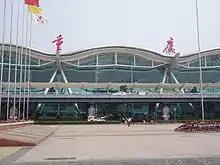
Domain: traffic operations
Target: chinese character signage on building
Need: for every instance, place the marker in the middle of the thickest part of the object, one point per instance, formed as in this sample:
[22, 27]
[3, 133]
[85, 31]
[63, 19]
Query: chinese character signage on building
[169, 49]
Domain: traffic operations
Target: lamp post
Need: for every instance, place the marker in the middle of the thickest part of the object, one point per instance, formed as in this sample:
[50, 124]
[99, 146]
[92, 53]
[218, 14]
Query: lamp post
[200, 61]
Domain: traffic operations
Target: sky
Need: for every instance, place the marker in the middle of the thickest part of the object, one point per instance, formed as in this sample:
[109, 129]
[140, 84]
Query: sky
[147, 24]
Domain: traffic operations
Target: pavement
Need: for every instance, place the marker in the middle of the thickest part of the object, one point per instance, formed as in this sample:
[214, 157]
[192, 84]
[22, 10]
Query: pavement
[119, 144]
[6, 151]
[29, 135]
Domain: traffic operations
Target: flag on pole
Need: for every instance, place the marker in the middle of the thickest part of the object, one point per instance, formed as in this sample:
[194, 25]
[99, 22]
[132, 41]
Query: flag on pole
[40, 19]
[32, 2]
[34, 9]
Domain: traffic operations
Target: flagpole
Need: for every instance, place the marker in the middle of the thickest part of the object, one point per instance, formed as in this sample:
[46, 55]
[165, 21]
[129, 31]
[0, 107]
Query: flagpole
[25, 65]
[21, 61]
[9, 63]
[2, 58]
[29, 67]
[16, 58]
[200, 61]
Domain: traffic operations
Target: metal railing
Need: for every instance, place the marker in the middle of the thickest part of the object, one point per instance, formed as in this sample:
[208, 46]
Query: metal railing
[116, 94]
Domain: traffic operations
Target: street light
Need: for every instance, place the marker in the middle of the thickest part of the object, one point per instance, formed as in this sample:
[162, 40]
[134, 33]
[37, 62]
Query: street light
[200, 61]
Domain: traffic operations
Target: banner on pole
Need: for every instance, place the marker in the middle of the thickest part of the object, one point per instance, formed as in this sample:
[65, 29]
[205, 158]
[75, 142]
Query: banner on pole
[34, 9]
[40, 19]
[32, 2]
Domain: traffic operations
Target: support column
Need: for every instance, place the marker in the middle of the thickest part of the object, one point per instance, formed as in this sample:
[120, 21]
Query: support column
[47, 89]
[161, 89]
[116, 58]
[164, 79]
[51, 80]
[134, 60]
[65, 80]
[97, 59]
[177, 82]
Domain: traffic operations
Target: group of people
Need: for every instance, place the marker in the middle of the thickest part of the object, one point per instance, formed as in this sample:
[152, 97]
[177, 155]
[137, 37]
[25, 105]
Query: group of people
[127, 120]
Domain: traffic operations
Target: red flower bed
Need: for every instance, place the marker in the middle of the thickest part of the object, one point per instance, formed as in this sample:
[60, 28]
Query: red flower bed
[198, 126]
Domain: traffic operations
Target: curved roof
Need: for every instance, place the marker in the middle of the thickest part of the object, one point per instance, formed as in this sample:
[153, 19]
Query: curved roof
[147, 54]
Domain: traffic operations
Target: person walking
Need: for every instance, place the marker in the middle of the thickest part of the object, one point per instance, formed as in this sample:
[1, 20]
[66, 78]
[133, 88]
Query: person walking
[129, 122]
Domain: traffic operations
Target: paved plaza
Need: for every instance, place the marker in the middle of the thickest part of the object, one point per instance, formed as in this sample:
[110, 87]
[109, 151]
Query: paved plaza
[119, 144]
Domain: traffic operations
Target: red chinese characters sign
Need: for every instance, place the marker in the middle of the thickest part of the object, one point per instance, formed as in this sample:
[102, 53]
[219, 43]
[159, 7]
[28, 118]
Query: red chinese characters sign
[59, 42]
[169, 49]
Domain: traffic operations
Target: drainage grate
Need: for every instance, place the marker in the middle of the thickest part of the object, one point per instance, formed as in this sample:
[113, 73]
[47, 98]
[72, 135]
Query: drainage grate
[73, 138]
[61, 158]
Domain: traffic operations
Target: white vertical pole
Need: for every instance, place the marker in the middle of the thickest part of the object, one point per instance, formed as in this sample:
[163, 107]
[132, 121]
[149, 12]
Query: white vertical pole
[16, 58]
[2, 57]
[9, 63]
[25, 65]
[21, 61]
[200, 61]
[29, 66]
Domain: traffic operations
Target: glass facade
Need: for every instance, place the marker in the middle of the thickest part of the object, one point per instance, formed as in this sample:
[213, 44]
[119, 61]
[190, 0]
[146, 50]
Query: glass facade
[115, 66]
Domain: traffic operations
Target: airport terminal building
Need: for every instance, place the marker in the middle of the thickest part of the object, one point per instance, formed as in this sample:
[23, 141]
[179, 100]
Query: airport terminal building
[115, 70]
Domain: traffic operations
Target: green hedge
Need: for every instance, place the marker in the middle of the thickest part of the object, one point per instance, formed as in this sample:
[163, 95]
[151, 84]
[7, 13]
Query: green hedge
[44, 122]
[59, 121]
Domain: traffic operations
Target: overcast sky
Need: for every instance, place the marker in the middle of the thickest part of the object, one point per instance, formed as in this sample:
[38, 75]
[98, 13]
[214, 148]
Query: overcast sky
[146, 24]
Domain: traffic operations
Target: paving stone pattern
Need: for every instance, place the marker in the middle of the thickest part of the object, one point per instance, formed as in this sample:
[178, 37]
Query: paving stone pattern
[118, 144]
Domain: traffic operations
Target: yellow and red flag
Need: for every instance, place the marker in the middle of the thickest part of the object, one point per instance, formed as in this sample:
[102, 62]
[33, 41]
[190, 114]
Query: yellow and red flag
[34, 8]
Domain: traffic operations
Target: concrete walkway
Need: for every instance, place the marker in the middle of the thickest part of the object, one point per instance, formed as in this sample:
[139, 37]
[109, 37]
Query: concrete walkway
[6, 151]
[118, 142]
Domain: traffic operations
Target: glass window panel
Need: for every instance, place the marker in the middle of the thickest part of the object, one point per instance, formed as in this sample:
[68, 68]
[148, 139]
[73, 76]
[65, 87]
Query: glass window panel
[75, 62]
[34, 61]
[148, 76]
[41, 75]
[195, 63]
[211, 75]
[80, 75]
[156, 63]
[90, 60]
[6, 55]
[184, 64]
[140, 61]
[106, 58]
[125, 58]
[113, 75]
[213, 60]
[187, 75]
